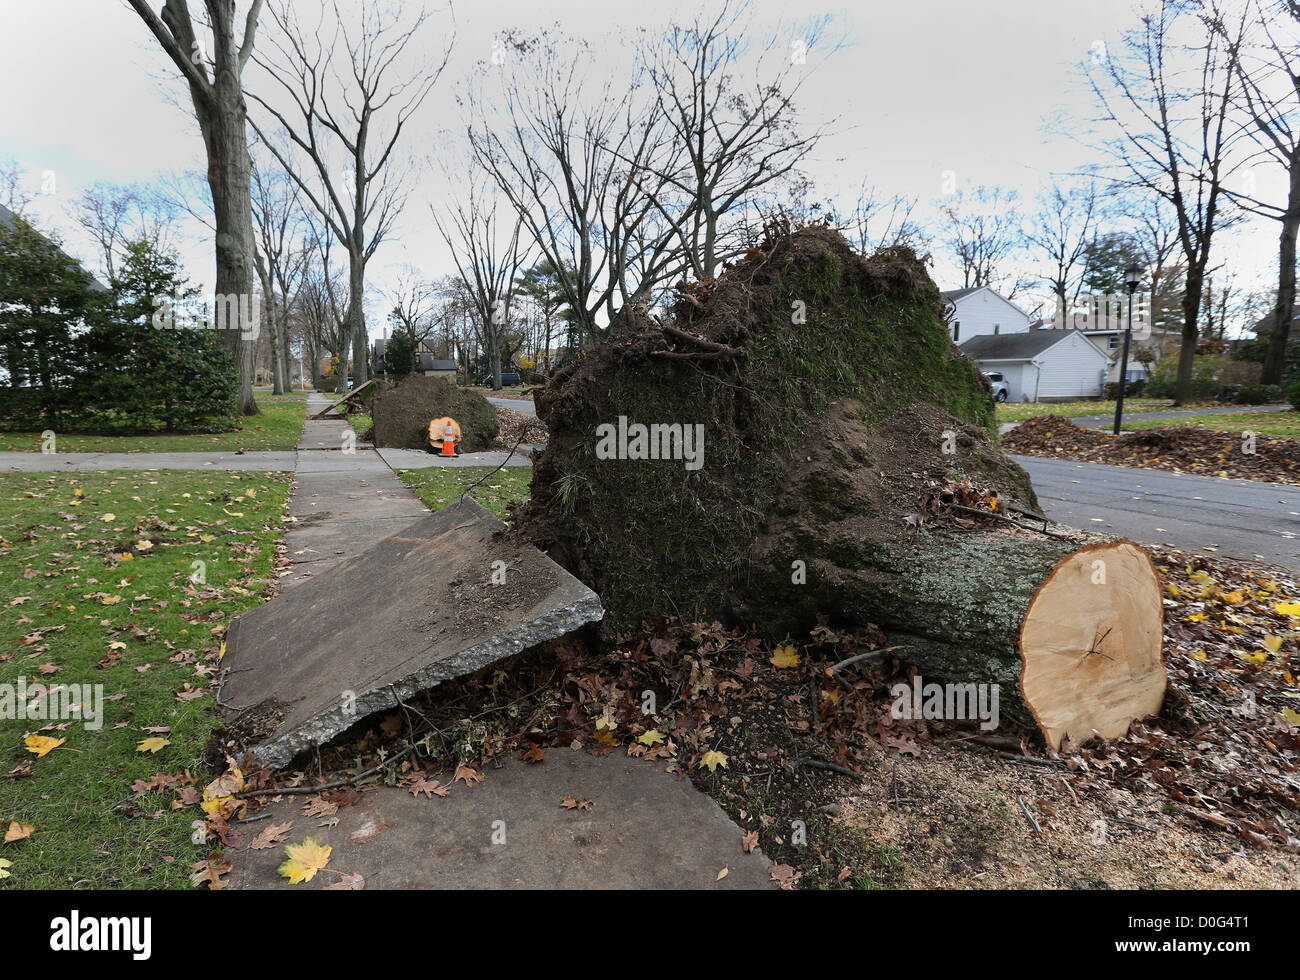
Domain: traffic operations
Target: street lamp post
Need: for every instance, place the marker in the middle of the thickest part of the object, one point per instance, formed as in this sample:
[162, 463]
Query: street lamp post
[1132, 277]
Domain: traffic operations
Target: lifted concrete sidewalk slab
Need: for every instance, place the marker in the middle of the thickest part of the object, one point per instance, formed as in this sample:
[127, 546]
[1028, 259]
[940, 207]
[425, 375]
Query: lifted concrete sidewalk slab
[416, 609]
[646, 829]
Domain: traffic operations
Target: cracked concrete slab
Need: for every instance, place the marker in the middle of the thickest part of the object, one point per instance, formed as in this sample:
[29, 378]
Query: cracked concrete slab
[646, 828]
[440, 599]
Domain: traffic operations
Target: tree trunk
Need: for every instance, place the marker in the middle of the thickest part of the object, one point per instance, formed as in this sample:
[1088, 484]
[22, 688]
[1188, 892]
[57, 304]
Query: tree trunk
[356, 325]
[1191, 312]
[222, 122]
[829, 481]
[1284, 309]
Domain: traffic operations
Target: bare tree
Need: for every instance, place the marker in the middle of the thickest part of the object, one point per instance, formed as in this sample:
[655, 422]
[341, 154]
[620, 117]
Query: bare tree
[880, 220]
[983, 232]
[358, 114]
[115, 214]
[1061, 229]
[216, 89]
[488, 256]
[582, 163]
[733, 122]
[1171, 101]
[1268, 74]
[280, 256]
[12, 194]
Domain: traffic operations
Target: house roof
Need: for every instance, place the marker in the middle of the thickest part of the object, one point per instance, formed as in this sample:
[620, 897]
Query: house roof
[1265, 323]
[7, 218]
[429, 363]
[949, 295]
[1017, 346]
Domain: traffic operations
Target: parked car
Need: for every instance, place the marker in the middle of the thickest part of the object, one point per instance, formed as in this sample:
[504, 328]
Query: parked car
[511, 378]
[999, 384]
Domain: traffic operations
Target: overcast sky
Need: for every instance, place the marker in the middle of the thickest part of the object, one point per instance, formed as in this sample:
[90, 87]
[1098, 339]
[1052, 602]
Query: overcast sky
[919, 88]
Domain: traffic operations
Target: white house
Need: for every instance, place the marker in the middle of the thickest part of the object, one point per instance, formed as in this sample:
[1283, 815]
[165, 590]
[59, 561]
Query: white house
[1108, 334]
[979, 310]
[1042, 365]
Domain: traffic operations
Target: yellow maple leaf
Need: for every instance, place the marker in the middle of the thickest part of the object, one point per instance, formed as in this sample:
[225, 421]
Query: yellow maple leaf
[143, 545]
[1291, 717]
[42, 745]
[4, 868]
[154, 744]
[652, 737]
[1287, 608]
[712, 759]
[606, 722]
[221, 654]
[127, 556]
[232, 513]
[305, 860]
[108, 517]
[1272, 643]
[785, 657]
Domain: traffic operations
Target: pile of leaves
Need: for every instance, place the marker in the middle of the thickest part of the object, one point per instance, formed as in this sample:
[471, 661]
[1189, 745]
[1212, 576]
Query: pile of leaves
[516, 427]
[1179, 450]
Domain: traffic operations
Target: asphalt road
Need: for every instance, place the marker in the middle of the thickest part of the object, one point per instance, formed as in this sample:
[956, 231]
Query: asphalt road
[1235, 518]
[520, 405]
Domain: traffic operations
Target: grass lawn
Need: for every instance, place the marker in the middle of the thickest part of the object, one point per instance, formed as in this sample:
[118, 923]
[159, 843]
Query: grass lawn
[1280, 425]
[439, 486]
[362, 423]
[279, 426]
[1019, 411]
[100, 567]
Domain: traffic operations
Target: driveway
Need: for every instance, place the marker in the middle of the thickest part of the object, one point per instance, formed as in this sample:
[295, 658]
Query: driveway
[1234, 518]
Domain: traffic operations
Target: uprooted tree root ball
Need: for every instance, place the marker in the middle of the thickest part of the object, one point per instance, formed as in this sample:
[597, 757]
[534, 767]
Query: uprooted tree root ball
[402, 413]
[821, 403]
[822, 379]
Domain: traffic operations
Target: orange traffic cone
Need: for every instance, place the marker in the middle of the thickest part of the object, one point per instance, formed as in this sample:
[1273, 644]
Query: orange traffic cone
[448, 441]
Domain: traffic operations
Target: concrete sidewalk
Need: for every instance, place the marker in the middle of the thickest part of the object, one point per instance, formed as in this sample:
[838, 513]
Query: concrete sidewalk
[646, 828]
[344, 500]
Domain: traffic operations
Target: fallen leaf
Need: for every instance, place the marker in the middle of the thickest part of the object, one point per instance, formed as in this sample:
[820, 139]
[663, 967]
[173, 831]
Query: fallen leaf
[305, 860]
[18, 831]
[712, 759]
[42, 745]
[154, 744]
[271, 836]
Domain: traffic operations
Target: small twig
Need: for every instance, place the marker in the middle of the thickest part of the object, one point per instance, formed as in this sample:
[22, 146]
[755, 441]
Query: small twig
[509, 455]
[866, 656]
[817, 764]
[1003, 517]
[1024, 806]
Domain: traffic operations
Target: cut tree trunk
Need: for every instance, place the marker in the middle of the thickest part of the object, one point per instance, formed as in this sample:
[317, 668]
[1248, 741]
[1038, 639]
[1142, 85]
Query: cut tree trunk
[838, 444]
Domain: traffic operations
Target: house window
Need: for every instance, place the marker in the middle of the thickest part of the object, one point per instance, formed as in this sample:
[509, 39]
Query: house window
[956, 330]
[1112, 342]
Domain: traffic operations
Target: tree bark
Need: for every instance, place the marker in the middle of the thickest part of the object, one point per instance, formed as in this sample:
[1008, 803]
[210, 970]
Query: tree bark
[1191, 325]
[1284, 309]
